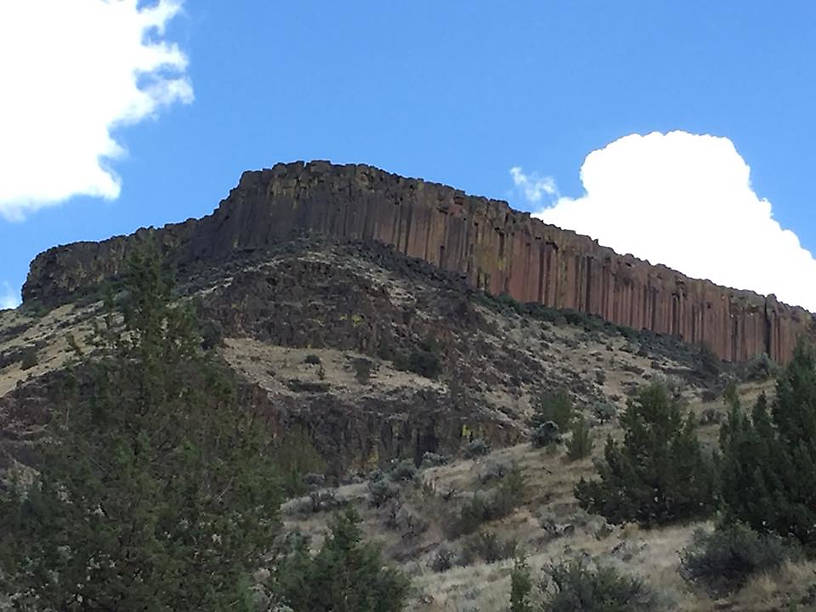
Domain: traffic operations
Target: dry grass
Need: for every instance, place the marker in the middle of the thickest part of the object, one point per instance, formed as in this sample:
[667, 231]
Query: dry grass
[49, 332]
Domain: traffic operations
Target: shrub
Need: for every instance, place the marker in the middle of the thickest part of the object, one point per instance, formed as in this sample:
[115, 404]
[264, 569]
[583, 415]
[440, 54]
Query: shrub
[545, 434]
[312, 360]
[521, 586]
[322, 501]
[476, 448]
[442, 560]
[708, 363]
[430, 459]
[760, 367]
[493, 470]
[380, 491]
[604, 411]
[510, 492]
[580, 444]
[555, 407]
[29, 359]
[658, 474]
[710, 416]
[362, 369]
[404, 470]
[768, 479]
[489, 547]
[212, 334]
[296, 456]
[423, 360]
[723, 560]
[474, 512]
[576, 586]
[495, 504]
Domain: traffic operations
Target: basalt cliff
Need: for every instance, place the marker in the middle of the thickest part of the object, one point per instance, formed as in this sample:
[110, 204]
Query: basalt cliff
[490, 245]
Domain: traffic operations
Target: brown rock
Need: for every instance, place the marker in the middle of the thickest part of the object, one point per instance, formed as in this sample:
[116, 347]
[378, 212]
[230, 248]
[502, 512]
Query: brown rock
[494, 247]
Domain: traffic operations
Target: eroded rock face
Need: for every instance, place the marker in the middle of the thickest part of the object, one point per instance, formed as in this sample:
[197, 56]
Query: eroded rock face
[492, 246]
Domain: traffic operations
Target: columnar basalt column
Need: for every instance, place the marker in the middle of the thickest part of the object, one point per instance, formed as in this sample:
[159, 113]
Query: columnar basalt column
[494, 247]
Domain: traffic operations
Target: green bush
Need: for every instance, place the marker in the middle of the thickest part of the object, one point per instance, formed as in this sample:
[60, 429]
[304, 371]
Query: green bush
[723, 560]
[521, 586]
[424, 360]
[488, 506]
[430, 459]
[658, 474]
[346, 575]
[476, 448]
[708, 363]
[580, 444]
[555, 407]
[760, 368]
[362, 369]
[442, 560]
[545, 434]
[489, 547]
[403, 470]
[296, 456]
[604, 411]
[29, 359]
[380, 491]
[574, 586]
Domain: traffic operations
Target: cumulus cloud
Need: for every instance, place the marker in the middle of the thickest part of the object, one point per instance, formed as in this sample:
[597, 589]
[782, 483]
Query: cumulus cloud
[532, 186]
[72, 72]
[686, 201]
[8, 297]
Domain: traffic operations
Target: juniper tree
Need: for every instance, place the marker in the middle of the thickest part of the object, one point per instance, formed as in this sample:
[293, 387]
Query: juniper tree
[346, 575]
[658, 474]
[769, 459]
[156, 489]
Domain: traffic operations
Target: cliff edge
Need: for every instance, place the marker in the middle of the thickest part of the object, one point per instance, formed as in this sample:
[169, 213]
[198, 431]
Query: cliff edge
[494, 247]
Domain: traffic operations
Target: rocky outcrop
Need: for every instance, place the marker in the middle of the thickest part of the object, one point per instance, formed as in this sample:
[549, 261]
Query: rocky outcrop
[494, 247]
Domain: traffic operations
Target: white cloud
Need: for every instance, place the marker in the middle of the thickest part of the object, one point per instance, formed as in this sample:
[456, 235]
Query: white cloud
[685, 200]
[532, 186]
[72, 71]
[8, 297]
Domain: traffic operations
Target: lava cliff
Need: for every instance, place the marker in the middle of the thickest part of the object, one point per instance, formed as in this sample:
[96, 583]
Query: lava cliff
[494, 247]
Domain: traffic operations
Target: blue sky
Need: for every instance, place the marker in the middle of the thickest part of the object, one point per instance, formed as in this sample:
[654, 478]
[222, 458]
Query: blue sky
[455, 92]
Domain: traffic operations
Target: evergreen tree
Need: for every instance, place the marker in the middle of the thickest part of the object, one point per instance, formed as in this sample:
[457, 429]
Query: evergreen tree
[769, 460]
[555, 407]
[156, 490]
[521, 586]
[347, 575]
[580, 444]
[658, 474]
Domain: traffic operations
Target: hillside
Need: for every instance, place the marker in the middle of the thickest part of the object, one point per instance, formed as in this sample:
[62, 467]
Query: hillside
[413, 385]
[375, 354]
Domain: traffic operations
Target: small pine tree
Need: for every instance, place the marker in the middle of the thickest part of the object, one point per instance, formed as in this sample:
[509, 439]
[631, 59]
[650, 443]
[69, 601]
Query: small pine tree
[555, 407]
[521, 586]
[347, 575]
[580, 445]
[769, 459]
[658, 474]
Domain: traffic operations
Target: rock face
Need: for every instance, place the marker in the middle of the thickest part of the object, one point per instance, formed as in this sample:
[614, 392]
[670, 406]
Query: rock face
[494, 247]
